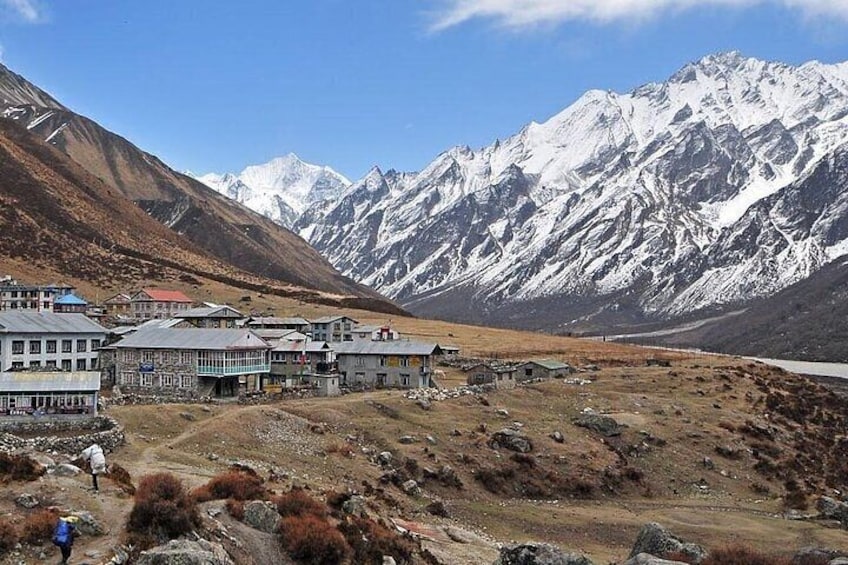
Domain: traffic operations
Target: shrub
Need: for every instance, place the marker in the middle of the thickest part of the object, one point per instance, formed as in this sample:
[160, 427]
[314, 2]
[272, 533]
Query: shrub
[163, 509]
[340, 448]
[494, 480]
[523, 459]
[741, 555]
[8, 535]
[335, 500]
[312, 540]
[236, 484]
[235, 508]
[370, 541]
[298, 503]
[19, 468]
[122, 478]
[38, 526]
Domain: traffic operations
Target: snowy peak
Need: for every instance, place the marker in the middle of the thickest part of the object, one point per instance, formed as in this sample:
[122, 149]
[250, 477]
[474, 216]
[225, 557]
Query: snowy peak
[282, 188]
[674, 195]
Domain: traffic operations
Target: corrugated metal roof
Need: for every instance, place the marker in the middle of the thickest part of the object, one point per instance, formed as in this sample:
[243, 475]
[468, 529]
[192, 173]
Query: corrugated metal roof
[71, 300]
[47, 322]
[162, 295]
[192, 338]
[550, 364]
[330, 319]
[210, 312]
[275, 321]
[49, 381]
[391, 347]
[159, 323]
[296, 347]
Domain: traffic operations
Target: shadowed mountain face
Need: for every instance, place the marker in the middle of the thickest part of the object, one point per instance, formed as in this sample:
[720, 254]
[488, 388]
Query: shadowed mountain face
[235, 237]
[225, 239]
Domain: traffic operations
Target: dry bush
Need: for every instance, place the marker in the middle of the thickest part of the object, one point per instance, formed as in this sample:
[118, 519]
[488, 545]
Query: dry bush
[310, 539]
[237, 484]
[370, 541]
[235, 508]
[523, 459]
[725, 425]
[122, 478]
[335, 500]
[38, 526]
[19, 468]
[297, 503]
[494, 480]
[341, 448]
[741, 555]
[8, 535]
[796, 500]
[163, 509]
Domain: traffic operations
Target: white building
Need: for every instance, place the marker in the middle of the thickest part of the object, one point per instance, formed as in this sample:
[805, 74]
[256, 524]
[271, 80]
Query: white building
[69, 342]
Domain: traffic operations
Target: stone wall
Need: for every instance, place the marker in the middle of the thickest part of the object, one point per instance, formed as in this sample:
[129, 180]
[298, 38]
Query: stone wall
[102, 430]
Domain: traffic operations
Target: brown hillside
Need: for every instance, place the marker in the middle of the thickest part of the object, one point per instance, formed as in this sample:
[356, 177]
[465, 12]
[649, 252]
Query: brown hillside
[57, 217]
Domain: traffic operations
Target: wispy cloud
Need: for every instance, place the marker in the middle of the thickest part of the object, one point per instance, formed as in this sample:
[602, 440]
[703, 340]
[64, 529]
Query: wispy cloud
[28, 11]
[527, 13]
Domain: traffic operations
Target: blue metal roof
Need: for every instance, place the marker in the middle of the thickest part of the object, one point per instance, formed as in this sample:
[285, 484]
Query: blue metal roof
[71, 300]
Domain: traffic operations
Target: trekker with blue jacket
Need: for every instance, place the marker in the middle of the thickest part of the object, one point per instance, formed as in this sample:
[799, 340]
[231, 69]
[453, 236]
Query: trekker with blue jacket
[63, 536]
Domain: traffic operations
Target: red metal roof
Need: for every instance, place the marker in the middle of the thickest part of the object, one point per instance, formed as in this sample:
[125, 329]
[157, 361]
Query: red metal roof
[161, 295]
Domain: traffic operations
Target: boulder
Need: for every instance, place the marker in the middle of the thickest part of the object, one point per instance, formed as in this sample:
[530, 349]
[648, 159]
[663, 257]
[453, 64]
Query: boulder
[817, 555]
[648, 559]
[261, 515]
[503, 412]
[66, 470]
[384, 458]
[833, 509]
[186, 552]
[26, 500]
[188, 416]
[407, 439]
[654, 539]
[87, 524]
[604, 425]
[538, 554]
[389, 560]
[410, 487]
[512, 440]
[424, 404]
[557, 436]
[355, 506]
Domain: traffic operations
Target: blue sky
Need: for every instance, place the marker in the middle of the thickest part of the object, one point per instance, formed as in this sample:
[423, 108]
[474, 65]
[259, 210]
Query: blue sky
[217, 85]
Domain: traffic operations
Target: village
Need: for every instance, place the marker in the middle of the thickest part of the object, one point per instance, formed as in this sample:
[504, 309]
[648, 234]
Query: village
[58, 353]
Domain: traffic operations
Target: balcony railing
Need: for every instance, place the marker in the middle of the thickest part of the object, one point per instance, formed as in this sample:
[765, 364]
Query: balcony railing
[232, 370]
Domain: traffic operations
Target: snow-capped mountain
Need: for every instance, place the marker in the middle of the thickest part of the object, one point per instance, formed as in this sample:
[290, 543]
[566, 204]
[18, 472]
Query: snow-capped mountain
[280, 189]
[724, 183]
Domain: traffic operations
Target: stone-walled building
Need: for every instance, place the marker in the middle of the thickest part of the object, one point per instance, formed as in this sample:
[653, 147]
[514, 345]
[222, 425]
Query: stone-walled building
[48, 393]
[400, 363]
[156, 303]
[542, 369]
[211, 317]
[191, 362]
[333, 329]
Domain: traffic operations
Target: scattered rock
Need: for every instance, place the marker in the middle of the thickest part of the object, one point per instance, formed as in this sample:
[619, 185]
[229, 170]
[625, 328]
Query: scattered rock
[320, 428]
[512, 440]
[455, 433]
[604, 425]
[503, 412]
[708, 464]
[557, 436]
[261, 515]
[186, 552]
[648, 559]
[389, 560]
[654, 539]
[407, 439]
[538, 554]
[431, 440]
[384, 458]
[482, 428]
[206, 409]
[411, 488]
[26, 500]
[213, 457]
[188, 416]
[424, 403]
[817, 555]
[729, 451]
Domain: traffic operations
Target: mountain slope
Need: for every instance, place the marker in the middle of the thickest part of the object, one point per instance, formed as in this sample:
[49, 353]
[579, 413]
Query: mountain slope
[216, 224]
[280, 189]
[693, 194]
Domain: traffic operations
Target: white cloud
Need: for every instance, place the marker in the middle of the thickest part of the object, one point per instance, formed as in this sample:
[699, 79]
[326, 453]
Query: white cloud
[29, 11]
[527, 13]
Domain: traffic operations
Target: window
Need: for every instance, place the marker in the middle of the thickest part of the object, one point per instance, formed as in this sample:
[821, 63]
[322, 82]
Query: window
[147, 379]
[404, 361]
[360, 361]
[80, 364]
[147, 356]
[95, 344]
[51, 346]
[187, 357]
[125, 378]
[35, 363]
[35, 347]
[17, 347]
[528, 372]
[17, 364]
[185, 381]
[404, 379]
[81, 345]
[66, 364]
[382, 361]
[67, 344]
[51, 363]
[166, 379]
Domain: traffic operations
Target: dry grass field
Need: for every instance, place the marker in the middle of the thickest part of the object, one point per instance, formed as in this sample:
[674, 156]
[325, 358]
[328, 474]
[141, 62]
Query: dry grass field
[589, 493]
